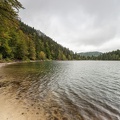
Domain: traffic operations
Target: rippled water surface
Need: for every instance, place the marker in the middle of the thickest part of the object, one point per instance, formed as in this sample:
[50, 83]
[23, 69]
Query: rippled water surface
[67, 90]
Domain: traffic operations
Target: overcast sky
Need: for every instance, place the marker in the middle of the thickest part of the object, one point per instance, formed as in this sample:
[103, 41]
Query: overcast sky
[80, 25]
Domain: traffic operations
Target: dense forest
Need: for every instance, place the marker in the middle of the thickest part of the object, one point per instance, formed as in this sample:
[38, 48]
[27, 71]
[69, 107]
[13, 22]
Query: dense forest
[114, 55]
[19, 41]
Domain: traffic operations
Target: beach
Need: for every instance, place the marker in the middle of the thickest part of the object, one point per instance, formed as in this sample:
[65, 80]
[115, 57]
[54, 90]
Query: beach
[12, 106]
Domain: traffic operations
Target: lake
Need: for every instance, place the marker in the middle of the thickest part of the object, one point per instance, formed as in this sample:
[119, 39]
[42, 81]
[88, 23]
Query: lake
[65, 90]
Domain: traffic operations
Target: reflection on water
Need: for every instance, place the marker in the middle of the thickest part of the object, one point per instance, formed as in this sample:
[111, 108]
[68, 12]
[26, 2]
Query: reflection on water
[66, 90]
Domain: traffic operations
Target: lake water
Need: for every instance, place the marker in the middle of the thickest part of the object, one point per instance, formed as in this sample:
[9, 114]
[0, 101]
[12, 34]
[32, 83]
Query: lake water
[67, 90]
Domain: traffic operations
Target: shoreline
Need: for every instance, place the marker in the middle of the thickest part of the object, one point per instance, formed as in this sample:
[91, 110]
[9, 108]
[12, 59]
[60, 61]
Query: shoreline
[2, 64]
[6, 63]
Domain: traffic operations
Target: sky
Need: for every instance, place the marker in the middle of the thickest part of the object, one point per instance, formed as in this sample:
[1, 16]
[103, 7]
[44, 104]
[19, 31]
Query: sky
[80, 25]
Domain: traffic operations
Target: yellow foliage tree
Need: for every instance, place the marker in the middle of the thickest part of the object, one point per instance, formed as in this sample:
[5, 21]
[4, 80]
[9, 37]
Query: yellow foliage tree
[42, 55]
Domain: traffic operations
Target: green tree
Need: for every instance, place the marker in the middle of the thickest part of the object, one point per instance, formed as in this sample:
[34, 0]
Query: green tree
[8, 11]
[22, 48]
[5, 49]
[42, 55]
[31, 50]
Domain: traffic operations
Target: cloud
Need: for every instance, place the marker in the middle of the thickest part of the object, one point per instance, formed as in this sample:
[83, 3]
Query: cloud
[80, 25]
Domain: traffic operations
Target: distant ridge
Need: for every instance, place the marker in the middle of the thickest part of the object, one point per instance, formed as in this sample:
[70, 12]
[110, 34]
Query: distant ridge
[90, 54]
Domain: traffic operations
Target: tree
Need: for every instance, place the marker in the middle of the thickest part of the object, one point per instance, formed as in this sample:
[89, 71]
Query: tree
[31, 50]
[8, 11]
[5, 49]
[42, 55]
[22, 48]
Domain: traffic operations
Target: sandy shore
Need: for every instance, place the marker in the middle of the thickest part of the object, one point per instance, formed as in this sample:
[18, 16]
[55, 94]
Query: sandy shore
[13, 107]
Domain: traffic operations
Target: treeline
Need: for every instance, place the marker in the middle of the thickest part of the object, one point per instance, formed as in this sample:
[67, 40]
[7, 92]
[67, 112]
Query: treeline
[19, 41]
[114, 55]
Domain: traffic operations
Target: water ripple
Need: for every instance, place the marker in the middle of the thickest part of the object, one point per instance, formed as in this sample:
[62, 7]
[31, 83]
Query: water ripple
[81, 90]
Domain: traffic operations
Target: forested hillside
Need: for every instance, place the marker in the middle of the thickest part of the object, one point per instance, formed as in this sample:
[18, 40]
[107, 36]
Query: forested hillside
[114, 55]
[90, 54]
[19, 41]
